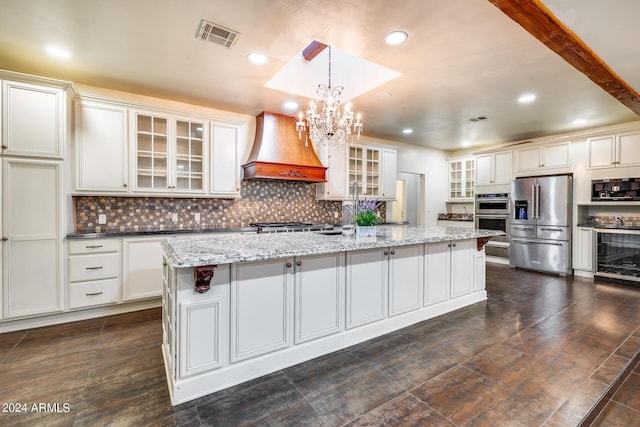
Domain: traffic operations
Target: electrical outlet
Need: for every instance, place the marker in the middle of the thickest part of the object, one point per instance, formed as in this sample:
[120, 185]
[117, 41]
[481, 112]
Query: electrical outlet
[335, 215]
[196, 216]
[174, 217]
[102, 219]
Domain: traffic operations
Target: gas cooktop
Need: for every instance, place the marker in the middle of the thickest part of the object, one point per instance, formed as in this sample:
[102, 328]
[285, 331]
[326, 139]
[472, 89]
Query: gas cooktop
[280, 227]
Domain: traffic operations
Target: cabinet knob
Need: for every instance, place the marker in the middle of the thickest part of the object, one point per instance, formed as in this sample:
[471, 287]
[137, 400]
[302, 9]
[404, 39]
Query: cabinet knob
[4, 239]
[386, 252]
[393, 252]
[299, 263]
[124, 185]
[4, 147]
[288, 265]
[448, 245]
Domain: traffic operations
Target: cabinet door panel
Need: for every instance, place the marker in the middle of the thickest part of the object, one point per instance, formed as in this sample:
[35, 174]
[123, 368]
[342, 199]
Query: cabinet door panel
[502, 166]
[200, 336]
[583, 259]
[462, 263]
[367, 280]
[484, 174]
[31, 222]
[437, 273]
[101, 148]
[142, 267]
[33, 120]
[225, 165]
[260, 308]
[629, 149]
[528, 159]
[390, 173]
[319, 290]
[601, 151]
[556, 155]
[406, 266]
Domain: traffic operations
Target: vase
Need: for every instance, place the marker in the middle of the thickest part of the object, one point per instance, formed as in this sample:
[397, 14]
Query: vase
[366, 230]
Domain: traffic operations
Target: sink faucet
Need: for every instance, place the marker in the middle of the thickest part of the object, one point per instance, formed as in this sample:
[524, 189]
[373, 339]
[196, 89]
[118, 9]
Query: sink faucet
[619, 218]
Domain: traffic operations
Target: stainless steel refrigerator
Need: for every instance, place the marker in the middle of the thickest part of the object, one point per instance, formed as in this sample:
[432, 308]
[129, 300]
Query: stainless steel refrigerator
[540, 235]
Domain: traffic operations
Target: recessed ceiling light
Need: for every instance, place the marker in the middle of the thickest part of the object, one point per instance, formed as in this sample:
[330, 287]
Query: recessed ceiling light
[257, 58]
[466, 143]
[291, 105]
[579, 122]
[527, 98]
[396, 37]
[58, 52]
[407, 131]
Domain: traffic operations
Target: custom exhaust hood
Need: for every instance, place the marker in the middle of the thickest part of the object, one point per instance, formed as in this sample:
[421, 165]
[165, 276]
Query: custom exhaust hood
[278, 153]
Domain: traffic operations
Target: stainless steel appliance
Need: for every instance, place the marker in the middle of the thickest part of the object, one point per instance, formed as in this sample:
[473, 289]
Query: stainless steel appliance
[492, 213]
[283, 227]
[618, 254]
[541, 223]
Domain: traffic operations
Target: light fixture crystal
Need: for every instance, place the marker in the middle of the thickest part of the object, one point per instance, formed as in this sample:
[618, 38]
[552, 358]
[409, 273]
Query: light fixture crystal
[326, 121]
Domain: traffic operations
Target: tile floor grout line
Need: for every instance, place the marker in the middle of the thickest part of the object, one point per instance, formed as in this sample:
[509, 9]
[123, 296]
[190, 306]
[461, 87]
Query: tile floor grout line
[322, 417]
[433, 409]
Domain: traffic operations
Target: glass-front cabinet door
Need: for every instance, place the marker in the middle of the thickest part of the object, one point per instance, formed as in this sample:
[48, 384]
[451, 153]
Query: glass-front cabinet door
[170, 154]
[364, 168]
[189, 156]
[152, 152]
[461, 179]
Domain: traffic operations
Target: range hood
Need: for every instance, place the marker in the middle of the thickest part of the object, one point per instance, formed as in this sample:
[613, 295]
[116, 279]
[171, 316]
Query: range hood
[278, 153]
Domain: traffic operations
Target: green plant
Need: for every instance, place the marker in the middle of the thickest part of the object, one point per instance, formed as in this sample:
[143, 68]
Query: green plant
[366, 212]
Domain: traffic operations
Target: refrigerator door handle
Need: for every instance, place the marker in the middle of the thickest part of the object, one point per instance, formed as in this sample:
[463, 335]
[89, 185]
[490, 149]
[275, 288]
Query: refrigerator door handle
[532, 242]
[533, 201]
[537, 200]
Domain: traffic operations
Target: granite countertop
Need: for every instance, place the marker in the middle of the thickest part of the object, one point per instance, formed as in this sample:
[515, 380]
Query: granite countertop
[159, 233]
[197, 251]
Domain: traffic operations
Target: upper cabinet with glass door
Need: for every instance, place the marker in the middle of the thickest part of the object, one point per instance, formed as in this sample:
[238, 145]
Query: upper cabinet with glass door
[461, 180]
[363, 167]
[169, 154]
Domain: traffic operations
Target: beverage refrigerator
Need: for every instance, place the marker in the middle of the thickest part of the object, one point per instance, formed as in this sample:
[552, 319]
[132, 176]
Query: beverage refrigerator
[541, 223]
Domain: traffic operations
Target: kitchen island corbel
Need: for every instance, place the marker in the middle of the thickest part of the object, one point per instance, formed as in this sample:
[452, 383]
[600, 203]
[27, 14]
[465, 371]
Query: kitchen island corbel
[275, 300]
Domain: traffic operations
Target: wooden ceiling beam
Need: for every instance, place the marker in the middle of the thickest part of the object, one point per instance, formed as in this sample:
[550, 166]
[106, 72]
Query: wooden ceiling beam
[312, 50]
[541, 23]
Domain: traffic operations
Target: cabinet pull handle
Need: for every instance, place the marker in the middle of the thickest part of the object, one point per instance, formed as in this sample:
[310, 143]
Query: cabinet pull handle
[4, 147]
[93, 268]
[4, 239]
[288, 265]
[94, 293]
[93, 246]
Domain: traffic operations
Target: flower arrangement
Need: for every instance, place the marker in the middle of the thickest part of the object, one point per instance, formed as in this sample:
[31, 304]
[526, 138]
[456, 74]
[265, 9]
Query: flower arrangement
[366, 213]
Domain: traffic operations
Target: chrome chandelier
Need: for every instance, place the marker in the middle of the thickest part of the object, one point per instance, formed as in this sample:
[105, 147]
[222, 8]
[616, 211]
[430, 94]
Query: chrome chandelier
[329, 125]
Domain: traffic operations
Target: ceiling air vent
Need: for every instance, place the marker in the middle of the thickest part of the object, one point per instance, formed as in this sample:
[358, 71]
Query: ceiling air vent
[478, 119]
[217, 34]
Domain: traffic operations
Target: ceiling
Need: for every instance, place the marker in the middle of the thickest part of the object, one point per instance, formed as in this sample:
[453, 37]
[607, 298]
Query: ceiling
[463, 59]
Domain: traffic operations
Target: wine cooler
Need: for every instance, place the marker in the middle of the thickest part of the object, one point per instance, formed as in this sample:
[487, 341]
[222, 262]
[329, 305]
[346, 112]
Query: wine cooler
[618, 254]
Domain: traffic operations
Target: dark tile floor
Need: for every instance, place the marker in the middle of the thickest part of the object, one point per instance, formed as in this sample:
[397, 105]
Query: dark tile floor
[540, 351]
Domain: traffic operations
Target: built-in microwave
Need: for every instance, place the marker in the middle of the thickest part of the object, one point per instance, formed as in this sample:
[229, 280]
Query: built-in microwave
[492, 204]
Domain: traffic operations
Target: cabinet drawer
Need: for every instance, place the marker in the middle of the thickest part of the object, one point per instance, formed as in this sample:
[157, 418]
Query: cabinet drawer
[93, 267]
[88, 294]
[89, 246]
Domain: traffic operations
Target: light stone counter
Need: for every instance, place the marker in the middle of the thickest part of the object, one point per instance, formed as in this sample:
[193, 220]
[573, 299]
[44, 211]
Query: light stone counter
[195, 251]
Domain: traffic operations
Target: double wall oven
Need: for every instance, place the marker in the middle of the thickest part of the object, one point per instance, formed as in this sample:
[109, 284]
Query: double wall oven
[492, 213]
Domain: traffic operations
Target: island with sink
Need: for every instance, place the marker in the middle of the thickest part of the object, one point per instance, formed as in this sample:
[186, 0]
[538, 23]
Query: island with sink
[236, 307]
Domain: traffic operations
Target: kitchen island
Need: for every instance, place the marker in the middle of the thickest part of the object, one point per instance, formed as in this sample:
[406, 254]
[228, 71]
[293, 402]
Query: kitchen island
[236, 307]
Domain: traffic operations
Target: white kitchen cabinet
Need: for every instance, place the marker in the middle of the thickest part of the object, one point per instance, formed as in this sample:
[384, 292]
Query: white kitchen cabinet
[389, 174]
[543, 158]
[367, 286]
[31, 237]
[201, 323]
[584, 249]
[461, 180]
[142, 268]
[225, 160]
[493, 168]
[261, 308]
[449, 270]
[479, 269]
[406, 281]
[319, 296]
[169, 154]
[364, 167]
[101, 148]
[336, 186]
[437, 271]
[93, 272]
[619, 150]
[33, 120]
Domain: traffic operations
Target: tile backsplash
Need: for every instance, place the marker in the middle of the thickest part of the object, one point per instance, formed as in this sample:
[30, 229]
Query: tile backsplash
[261, 201]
